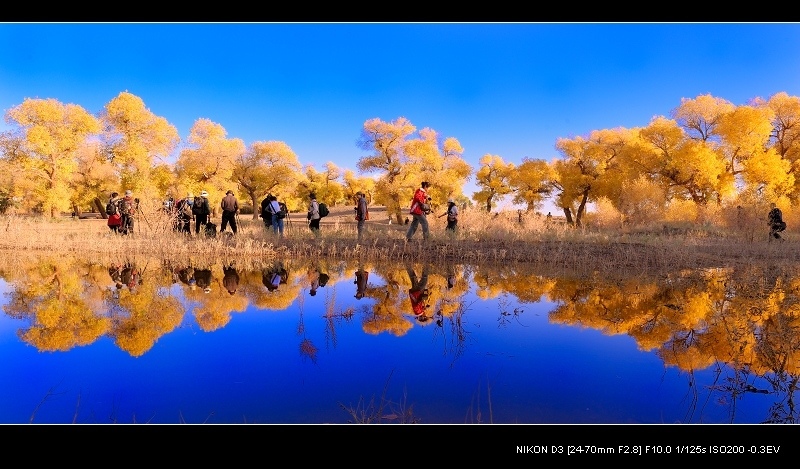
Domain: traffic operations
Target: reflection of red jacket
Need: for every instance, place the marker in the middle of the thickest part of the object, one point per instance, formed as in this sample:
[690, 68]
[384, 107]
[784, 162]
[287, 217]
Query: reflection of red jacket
[417, 301]
[420, 197]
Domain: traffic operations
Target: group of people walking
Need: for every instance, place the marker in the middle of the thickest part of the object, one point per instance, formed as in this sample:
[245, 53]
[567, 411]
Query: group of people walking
[122, 212]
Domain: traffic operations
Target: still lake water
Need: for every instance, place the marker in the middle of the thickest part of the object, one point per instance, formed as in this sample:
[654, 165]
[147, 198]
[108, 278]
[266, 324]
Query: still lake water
[140, 341]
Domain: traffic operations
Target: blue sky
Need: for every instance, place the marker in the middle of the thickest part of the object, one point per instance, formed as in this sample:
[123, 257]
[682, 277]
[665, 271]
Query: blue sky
[507, 89]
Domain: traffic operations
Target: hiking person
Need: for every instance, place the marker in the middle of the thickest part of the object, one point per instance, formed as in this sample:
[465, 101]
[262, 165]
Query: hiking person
[184, 213]
[201, 210]
[274, 208]
[265, 214]
[127, 210]
[112, 210]
[452, 217]
[419, 203]
[230, 207]
[775, 221]
[418, 293]
[313, 215]
[362, 213]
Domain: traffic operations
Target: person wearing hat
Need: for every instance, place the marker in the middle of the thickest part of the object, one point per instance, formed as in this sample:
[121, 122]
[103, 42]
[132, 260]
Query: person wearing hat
[452, 217]
[362, 213]
[230, 207]
[127, 210]
[313, 215]
[418, 212]
[201, 210]
[184, 209]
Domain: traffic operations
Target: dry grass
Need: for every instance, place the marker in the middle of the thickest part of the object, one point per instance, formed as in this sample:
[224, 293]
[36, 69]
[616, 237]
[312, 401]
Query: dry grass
[481, 238]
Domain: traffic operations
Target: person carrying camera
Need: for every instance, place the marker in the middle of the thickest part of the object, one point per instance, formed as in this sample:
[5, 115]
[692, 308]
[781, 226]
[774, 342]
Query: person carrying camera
[420, 207]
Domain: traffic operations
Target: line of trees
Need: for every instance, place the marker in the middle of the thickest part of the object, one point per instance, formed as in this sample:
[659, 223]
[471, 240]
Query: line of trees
[60, 158]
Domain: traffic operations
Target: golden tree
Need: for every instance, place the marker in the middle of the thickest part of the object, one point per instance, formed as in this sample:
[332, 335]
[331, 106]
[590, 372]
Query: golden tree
[532, 183]
[493, 179]
[267, 167]
[387, 142]
[209, 163]
[441, 164]
[45, 146]
[135, 140]
[352, 183]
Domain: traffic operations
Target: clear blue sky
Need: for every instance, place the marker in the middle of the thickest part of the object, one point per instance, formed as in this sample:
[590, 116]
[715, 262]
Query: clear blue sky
[507, 89]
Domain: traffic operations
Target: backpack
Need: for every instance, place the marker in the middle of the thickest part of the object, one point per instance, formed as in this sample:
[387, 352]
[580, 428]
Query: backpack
[127, 207]
[323, 210]
[111, 208]
[282, 212]
[201, 207]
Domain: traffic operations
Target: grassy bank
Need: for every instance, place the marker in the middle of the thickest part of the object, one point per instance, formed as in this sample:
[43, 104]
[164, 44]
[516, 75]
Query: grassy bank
[481, 238]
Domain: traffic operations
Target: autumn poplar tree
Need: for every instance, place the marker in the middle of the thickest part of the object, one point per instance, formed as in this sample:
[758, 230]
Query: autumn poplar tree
[208, 163]
[136, 140]
[386, 141]
[531, 183]
[267, 167]
[493, 179]
[439, 163]
[44, 147]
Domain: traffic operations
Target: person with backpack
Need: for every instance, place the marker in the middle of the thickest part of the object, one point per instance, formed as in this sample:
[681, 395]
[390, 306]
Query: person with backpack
[266, 216]
[452, 217]
[277, 214]
[313, 215]
[184, 214]
[419, 211]
[201, 210]
[362, 213]
[230, 207]
[127, 210]
[112, 210]
[775, 221]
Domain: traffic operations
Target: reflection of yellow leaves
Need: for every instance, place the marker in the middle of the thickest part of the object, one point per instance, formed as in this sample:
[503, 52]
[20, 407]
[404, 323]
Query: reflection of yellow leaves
[52, 292]
[151, 313]
[211, 320]
[395, 325]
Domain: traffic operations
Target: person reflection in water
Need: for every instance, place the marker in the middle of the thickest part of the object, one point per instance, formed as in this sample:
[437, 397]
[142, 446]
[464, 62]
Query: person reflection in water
[418, 293]
[186, 276]
[130, 276]
[313, 280]
[115, 272]
[203, 278]
[362, 276]
[230, 279]
[274, 276]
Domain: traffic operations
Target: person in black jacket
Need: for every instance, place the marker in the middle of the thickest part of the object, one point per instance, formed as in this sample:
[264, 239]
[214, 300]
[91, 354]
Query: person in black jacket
[201, 210]
[265, 213]
[776, 223]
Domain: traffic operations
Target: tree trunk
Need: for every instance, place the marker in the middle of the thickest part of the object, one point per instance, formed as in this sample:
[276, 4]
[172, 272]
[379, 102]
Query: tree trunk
[100, 208]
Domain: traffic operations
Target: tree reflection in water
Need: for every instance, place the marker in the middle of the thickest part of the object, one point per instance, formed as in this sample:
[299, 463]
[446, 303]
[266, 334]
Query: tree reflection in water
[739, 325]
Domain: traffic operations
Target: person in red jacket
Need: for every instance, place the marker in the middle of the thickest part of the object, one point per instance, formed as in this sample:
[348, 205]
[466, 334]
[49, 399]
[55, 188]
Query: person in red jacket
[418, 212]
